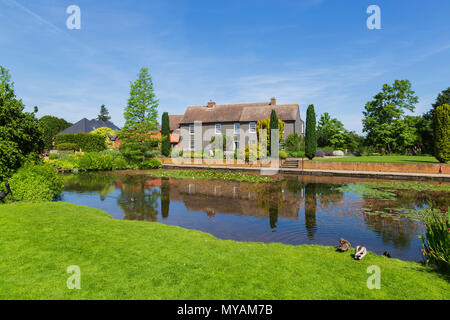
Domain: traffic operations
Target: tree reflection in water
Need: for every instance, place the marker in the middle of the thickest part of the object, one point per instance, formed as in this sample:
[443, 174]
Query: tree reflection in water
[139, 199]
[310, 210]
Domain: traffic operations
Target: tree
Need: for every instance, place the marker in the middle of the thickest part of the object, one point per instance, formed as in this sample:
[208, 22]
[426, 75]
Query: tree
[382, 114]
[106, 132]
[273, 126]
[104, 114]
[330, 132]
[140, 119]
[266, 125]
[21, 138]
[165, 133]
[426, 128]
[310, 133]
[441, 130]
[442, 98]
[293, 142]
[50, 127]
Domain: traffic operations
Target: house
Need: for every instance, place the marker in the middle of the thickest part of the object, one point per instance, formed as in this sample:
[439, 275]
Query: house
[86, 126]
[236, 120]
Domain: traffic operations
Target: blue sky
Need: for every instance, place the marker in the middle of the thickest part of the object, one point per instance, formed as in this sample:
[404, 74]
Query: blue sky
[302, 51]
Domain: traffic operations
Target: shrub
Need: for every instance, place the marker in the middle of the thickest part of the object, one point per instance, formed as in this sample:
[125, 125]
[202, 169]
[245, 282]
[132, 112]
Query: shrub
[441, 127]
[36, 182]
[150, 164]
[320, 153]
[67, 147]
[283, 154]
[293, 142]
[85, 141]
[95, 161]
[119, 163]
[53, 156]
[436, 240]
[328, 150]
[104, 131]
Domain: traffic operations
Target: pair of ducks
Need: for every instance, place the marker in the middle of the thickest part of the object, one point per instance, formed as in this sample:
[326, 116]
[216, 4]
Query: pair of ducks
[360, 251]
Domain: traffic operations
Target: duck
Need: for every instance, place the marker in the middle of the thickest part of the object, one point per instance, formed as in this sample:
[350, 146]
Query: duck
[8, 191]
[344, 245]
[360, 252]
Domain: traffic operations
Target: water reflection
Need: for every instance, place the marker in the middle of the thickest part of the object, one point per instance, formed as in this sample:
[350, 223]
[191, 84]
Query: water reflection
[295, 210]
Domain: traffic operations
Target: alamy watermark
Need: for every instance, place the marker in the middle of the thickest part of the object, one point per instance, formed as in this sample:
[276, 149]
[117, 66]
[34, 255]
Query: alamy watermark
[374, 281]
[374, 20]
[74, 281]
[74, 20]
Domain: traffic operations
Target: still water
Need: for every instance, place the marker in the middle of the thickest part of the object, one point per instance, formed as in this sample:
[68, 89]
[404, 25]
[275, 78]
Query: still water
[295, 210]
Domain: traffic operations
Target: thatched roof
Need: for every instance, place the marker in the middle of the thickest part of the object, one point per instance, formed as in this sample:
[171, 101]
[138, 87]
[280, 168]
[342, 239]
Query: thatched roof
[248, 112]
[174, 121]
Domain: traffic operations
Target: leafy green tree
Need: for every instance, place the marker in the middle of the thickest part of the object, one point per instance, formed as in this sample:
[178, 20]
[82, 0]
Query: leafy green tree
[310, 133]
[330, 132]
[442, 98]
[50, 127]
[21, 138]
[138, 134]
[381, 115]
[165, 133]
[104, 114]
[293, 142]
[441, 130]
[426, 128]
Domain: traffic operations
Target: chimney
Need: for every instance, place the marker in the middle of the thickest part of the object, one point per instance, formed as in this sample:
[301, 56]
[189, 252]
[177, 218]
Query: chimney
[211, 104]
[273, 101]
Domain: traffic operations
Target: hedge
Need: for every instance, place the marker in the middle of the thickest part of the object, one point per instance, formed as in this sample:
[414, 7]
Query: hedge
[441, 126]
[85, 141]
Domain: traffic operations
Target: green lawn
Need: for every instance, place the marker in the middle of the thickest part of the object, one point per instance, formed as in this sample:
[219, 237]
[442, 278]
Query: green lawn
[391, 159]
[143, 260]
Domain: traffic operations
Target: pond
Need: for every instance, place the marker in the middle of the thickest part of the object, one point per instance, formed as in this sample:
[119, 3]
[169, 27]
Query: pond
[293, 210]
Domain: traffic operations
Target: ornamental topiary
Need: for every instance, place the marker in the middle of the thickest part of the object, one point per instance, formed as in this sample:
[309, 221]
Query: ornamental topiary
[165, 133]
[310, 133]
[441, 130]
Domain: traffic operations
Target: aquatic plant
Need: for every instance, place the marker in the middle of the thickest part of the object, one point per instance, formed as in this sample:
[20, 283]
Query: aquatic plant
[436, 239]
[211, 175]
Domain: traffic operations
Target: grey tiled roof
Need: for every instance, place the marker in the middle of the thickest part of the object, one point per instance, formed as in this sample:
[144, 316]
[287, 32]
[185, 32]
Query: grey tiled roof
[86, 126]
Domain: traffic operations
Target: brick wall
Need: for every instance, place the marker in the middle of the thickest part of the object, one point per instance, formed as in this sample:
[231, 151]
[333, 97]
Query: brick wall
[378, 167]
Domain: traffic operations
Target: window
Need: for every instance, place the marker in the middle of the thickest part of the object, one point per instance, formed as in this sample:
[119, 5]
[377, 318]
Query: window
[192, 145]
[191, 129]
[218, 128]
[252, 128]
[237, 127]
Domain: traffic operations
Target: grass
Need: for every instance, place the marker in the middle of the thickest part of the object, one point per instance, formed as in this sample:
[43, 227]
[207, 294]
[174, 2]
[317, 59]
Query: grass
[388, 159]
[138, 260]
[211, 175]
